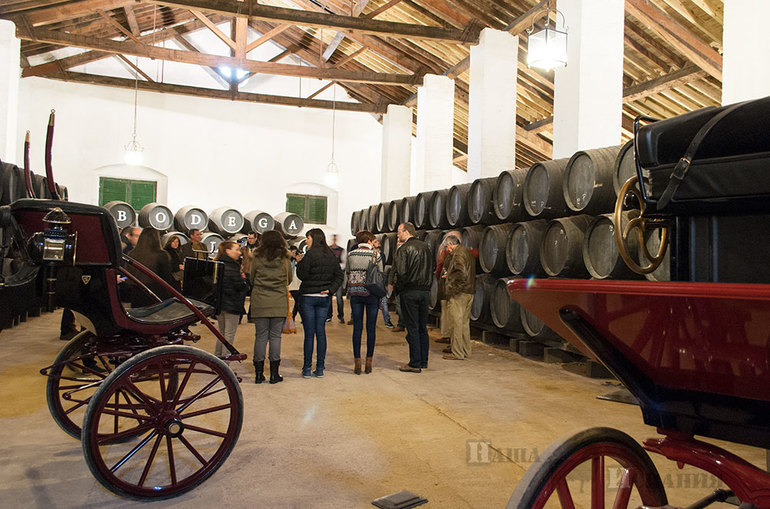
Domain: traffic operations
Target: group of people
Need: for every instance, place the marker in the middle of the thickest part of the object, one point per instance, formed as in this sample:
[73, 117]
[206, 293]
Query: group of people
[269, 272]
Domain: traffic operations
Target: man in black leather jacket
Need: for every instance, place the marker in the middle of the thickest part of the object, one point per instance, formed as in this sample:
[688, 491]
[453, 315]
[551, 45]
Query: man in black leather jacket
[412, 276]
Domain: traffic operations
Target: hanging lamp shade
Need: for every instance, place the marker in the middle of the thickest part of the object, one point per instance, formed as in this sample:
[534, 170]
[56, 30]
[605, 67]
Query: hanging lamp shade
[547, 49]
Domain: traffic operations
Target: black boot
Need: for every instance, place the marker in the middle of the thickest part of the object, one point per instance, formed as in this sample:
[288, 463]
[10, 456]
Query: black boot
[274, 376]
[259, 367]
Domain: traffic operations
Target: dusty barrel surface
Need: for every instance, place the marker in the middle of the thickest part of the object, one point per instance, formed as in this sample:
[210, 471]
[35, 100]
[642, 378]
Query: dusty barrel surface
[561, 251]
[433, 240]
[190, 217]
[481, 298]
[625, 166]
[434, 304]
[437, 209]
[355, 222]
[371, 218]
[421, 214]
[289, 224]
[508, 195]
[536, 329]
[588, 181]
[123, 213]
[156, 215]
[388, 247]
[406, 210]
[522, 251]
[381, 217]
[258, 221]
[457, 205]
[492, 255]
[504, 310]
[479, 201]
[543, 194]
[393, 217]
[600, 249]
[40, 186]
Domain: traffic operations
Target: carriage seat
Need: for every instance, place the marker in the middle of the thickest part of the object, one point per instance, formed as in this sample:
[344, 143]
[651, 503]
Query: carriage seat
[169, 311]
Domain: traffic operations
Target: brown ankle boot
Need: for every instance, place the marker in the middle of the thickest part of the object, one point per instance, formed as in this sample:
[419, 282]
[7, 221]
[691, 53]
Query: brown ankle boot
[357, 368]
[368, 367]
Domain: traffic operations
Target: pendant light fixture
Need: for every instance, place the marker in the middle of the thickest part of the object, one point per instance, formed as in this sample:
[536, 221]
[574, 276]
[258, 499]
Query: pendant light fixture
[547, 48]
[332, 171]
[134, 149]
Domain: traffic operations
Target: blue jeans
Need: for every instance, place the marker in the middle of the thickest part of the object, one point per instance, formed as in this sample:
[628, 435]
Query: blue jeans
[414, 304]
[357, 305]
[385, 310]
[340, 305]
[313, 311]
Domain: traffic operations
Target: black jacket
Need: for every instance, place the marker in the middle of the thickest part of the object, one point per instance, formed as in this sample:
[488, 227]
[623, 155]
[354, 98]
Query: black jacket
[160, 264]
[235, 287]
[319, 270]
[412, 267]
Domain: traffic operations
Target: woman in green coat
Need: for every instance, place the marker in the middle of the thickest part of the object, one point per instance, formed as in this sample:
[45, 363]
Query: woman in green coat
[270, 275]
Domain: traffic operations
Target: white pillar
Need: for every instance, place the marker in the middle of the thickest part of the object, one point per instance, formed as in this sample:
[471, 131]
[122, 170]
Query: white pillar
[396, 152]
[10, 54]
[435, 125]
[745, 70]
[492, 104]
[588, 93]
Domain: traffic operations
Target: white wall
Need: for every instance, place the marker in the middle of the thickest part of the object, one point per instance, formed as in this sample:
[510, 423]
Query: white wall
[213, 152]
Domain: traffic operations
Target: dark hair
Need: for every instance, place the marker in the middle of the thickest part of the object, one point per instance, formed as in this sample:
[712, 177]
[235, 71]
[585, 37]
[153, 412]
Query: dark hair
[272, 246]
[148, 244]
[319, 240]
[192, 230]
[293, 248]
[172, 239]
[364, 236]
[409, 227]
[224, 246]
[252, 232]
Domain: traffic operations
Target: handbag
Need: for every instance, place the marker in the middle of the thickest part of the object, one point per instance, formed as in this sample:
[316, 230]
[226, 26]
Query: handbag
[374, 281]
[289, 327]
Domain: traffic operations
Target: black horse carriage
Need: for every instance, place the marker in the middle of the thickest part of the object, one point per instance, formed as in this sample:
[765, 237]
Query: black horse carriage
[694, 351]
[155, 416]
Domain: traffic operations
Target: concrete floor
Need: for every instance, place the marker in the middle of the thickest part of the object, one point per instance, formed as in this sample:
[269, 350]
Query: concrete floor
[343, 440]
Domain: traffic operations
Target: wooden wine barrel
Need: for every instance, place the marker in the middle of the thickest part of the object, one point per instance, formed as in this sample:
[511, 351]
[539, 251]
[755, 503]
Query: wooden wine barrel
[211, 240]
[123, 213]
[536, 329]
[543, 194]
[394, 215]
[226, 221]
[238, 238]
[479, 202]
[64, 194]
[522, 251]
[14, 186]
[600, 250]
[471, 236]
[504, 310]
[407, 209]
[434, 304]
[371, 218]
[508, 195]
[183, 239]
[388, 247]
[190, 217]
[481, 299]
[363, 223]
[351, 245]
[155, 215]
[492, 255]
[40, 186]
[433, 239]
[421, 213]
[355, 222]
[289, 224]
[663, 272]
[437, 209]
[588, 181]
[258, 221]
[625, 166]
[381, 217]
[457, 206]
[561, 250]
[421, 234]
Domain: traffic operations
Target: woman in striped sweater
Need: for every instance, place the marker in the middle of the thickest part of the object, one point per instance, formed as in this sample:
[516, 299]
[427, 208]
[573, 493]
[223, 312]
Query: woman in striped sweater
[360, 298]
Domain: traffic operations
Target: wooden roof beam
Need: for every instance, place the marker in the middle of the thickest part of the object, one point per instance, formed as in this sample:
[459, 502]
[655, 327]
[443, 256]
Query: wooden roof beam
[267, 36]
[332, 47]
[62, 12]
[131, 18]
[253, 10]
[142, 50]
[667, 82]
[215, 29]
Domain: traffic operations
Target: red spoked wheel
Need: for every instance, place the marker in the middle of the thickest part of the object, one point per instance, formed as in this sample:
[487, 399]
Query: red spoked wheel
[597, 468]
[73, 379]
[162, 422]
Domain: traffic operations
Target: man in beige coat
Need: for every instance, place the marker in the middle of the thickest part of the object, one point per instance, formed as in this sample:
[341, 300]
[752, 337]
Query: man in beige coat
[460, 283]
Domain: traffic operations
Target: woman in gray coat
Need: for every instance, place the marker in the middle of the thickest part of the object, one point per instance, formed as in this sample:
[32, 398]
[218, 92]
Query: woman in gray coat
[270, 275]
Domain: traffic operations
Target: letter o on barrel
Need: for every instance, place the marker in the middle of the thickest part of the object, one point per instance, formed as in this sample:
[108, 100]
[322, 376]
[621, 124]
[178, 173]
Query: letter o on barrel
[155, 215]
[123, 213]
[190, 217]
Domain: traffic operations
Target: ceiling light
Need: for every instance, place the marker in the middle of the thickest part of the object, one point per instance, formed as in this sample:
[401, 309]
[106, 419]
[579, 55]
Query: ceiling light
[547, 48]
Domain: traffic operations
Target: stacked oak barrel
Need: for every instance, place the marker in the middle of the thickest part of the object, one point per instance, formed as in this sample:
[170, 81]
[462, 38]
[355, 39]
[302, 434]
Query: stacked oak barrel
[550, 220]
[223, 223]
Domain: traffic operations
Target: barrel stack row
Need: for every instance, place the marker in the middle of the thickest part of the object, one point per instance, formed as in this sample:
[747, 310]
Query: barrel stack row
[218, 225]
[550, 220]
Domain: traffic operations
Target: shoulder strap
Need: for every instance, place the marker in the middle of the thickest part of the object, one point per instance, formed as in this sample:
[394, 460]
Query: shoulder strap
[681, 168]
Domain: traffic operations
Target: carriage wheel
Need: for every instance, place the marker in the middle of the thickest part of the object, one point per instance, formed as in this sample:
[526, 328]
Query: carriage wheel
[597, 468]
[72, 380]
[162, 422]
[640, 225]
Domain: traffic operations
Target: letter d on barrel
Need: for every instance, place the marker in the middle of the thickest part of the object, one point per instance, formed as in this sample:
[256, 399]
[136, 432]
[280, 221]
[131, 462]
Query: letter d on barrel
[190, 217]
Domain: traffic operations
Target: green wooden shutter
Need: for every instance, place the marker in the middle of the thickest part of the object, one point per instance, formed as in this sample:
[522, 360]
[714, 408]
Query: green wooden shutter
[136, 193]
[142, 193]
[316, 209]
[112, 190]
[295, 204]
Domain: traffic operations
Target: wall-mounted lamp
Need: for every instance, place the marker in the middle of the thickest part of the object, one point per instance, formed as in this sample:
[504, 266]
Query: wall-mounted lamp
[547, 48]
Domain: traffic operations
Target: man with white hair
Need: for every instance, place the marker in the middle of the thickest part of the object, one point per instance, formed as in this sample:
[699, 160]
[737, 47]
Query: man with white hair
[459, 275]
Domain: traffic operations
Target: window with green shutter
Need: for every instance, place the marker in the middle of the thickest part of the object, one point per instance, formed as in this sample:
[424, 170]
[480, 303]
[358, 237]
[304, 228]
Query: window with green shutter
[136, 193]
[312, 209]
